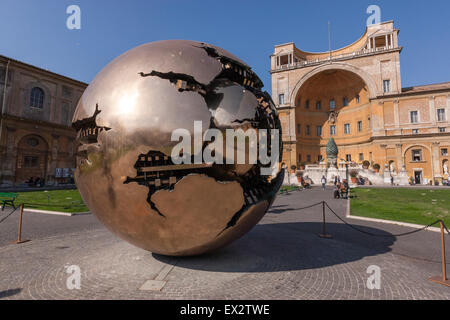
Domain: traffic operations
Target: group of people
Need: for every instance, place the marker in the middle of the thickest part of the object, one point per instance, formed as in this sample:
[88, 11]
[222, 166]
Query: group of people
[340, 188]
[35, 181]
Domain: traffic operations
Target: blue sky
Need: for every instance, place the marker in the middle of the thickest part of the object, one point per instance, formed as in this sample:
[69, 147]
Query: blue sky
[35, 31]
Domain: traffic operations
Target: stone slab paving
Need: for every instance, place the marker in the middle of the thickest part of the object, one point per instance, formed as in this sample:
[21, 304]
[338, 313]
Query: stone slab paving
[281, 258]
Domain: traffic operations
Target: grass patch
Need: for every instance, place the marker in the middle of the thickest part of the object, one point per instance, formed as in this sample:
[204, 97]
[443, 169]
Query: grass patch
[55, 200]
[417, 206]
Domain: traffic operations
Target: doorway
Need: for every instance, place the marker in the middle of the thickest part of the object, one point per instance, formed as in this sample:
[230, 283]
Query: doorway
[418, 177]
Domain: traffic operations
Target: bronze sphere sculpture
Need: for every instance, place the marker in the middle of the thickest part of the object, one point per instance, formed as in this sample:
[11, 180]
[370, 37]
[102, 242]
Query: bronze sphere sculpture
[126, 171]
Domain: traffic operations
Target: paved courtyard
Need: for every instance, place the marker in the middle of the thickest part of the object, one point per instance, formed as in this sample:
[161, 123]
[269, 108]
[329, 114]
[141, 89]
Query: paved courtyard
[281, 258]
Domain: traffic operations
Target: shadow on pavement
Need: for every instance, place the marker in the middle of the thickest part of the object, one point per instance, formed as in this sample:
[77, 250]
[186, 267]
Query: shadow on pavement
[9, 293]
[288, 247]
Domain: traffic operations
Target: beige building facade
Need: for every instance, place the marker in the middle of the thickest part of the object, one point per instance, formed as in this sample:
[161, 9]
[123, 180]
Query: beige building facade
[36, 137]
[355, 95]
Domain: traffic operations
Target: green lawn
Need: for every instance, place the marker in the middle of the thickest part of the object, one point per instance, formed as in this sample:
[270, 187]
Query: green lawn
[284, 189]
[417, 206]
[56, 200]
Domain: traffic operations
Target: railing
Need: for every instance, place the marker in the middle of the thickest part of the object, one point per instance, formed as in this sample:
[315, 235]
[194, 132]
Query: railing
[305, 63]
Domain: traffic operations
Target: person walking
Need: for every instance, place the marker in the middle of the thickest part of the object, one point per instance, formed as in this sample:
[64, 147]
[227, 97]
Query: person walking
[392, 180]
[324, 182]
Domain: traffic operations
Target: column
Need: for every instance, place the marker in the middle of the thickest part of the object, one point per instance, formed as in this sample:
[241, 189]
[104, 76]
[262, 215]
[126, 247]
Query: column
[396, 114]
[399, 156]
[432, 110]
[436, 166]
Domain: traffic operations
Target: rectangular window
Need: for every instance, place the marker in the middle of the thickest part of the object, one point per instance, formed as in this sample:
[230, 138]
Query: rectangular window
[332, 130]
[307, 130]
[358, 99]
[318, 105]
[299, 157]
[30, 161]
[415, 131]
[347, 128]
[417, 155]
[444, 152]
[348, 157]
[318, 131]
[414, 116]
[441, 114]
[332, 104]
[386, 86]
[299, 128]
[308, 158]
[361, 157]
[441, 129]
[319, 158]
[360, 126]
[307, 104]
[345, 101]
[281, 99]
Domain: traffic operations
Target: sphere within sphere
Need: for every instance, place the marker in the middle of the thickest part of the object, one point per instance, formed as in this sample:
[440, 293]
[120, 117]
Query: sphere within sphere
[125, 172]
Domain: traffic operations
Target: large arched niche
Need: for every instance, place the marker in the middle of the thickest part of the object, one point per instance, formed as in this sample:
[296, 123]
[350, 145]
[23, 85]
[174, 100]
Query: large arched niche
[351, 95]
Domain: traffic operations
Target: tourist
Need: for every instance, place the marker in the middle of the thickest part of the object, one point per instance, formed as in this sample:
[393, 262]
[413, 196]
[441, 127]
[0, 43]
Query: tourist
[392, 180]
[324, 182]
[335, 180]
[336, 190]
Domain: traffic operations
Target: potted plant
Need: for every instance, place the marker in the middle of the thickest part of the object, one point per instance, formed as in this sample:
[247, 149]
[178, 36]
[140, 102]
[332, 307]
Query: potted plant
[366, 164]
[376, 167]
[353, 175]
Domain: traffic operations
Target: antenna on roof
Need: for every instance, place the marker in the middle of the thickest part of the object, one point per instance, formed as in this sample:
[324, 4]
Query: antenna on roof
[329, 38]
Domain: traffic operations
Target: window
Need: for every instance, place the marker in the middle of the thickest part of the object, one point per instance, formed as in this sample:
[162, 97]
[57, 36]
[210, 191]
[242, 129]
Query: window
[414, 116]
[30, 161]
[37, 98]
[308, 158]
[332, 130]
[32, 142]
[299, 128]
[415, 131]
[441, 129]
[360, 126]
[307, 130]
[318, 105]
[347, 128]
[345, 101]
[318, 131]
[417, 155]
[361, 157]
[307, 104]
[444, 152]
[386, 86]
[281, 98]
[332, 104]
[299, 157]
[348, 157]
[319, 158]
[441, 114]
[358, 99]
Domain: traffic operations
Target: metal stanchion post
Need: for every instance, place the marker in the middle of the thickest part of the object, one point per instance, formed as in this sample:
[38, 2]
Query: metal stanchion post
[442, 280]
[324, 231]
[19, 235]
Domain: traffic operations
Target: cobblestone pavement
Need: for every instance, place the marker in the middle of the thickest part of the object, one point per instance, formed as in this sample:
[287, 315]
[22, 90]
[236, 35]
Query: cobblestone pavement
[281, 258]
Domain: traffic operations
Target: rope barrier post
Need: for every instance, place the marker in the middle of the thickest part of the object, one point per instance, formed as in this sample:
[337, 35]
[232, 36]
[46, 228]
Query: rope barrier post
[442, 280]
[19, 235]
[324, 231]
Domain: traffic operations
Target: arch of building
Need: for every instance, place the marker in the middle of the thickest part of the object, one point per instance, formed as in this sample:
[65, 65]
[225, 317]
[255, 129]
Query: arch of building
[351, 96]
[335, 66]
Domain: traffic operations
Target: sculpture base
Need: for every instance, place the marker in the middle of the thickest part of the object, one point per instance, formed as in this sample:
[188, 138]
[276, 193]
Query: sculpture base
[440, 280]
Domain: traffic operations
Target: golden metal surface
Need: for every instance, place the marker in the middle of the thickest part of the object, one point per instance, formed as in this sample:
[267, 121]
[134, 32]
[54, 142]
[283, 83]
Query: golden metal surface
[124, 121]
